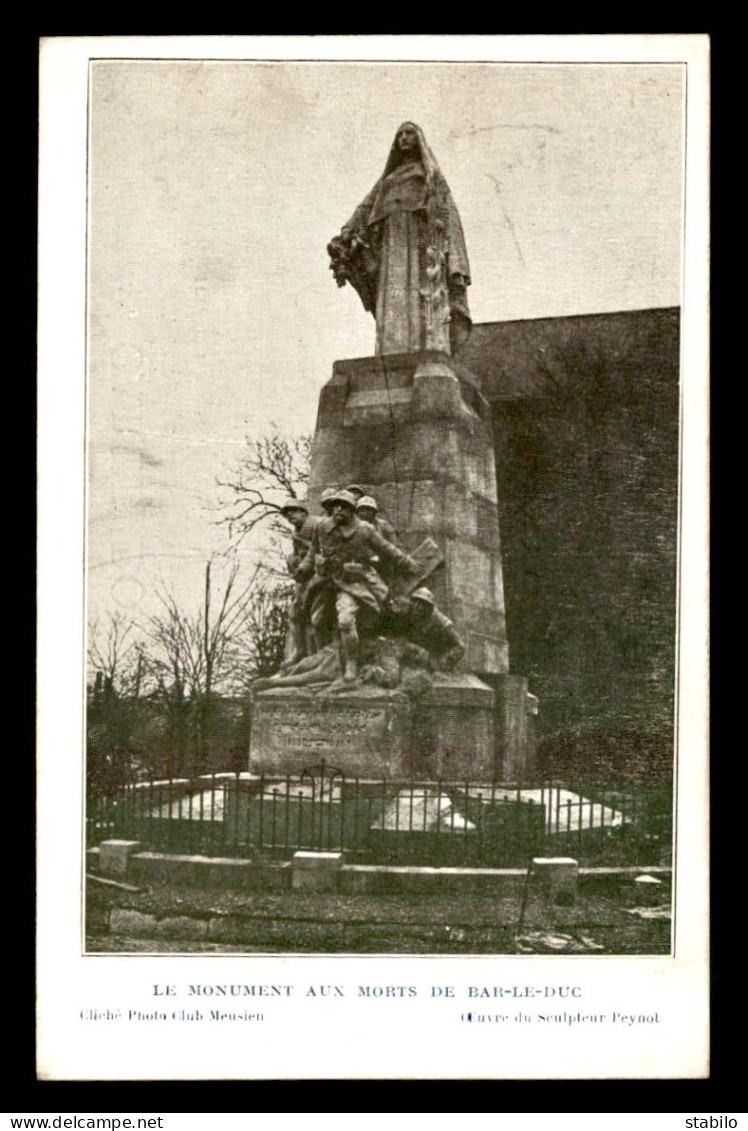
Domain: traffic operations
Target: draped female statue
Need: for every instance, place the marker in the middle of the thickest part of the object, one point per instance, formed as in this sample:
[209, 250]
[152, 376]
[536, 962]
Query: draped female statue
[403, 251]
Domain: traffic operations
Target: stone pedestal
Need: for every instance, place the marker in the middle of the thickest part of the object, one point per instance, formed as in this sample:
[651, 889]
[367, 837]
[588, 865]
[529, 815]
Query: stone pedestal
[360, 734]
[516, 709]
[460, 730]
[452, 731]
[446, 734]
[420, 438]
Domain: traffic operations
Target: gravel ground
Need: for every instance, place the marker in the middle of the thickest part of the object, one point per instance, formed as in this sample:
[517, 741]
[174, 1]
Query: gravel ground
[305, 922]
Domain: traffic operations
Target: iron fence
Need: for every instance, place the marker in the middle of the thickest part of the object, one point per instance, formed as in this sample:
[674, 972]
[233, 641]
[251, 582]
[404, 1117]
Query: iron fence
[436, 823]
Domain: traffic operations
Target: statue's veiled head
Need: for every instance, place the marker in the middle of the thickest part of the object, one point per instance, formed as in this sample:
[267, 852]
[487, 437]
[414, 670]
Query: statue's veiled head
[407, 137]
[409, 145]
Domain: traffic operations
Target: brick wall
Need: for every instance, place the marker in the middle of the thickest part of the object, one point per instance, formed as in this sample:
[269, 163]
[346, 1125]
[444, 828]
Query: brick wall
[586, 435]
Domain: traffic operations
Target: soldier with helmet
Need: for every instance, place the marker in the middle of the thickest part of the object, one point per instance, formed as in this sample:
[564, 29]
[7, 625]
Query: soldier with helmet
[419, 619]
[368, 509]
[340, 567]
[325, 497]
[296, 512]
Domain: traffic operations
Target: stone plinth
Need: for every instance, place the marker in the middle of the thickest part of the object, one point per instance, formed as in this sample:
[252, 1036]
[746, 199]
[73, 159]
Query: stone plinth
[420, 438]
[361, 735]
[317, 870]
[516, 709]
[114, 857]
[558, 877]
[453, 737]
[461, 729]
[447, 733]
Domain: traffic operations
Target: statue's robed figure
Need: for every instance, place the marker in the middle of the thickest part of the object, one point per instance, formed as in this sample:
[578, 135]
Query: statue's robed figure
[403, 251]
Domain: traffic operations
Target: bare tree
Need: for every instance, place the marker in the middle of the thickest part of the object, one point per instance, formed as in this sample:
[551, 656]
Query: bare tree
[114, 653]
[193, 656]
[271, 470]
[117, 661]
[259, 647]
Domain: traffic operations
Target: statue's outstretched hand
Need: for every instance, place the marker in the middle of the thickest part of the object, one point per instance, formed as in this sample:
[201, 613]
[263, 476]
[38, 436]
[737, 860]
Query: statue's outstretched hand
[337, 249]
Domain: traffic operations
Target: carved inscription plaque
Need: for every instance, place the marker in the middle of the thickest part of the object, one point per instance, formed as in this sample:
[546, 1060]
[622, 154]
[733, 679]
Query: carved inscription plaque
[324, 732]
[358, 737]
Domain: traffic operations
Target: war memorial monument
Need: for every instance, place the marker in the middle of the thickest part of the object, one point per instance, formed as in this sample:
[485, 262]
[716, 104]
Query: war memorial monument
[397, 664]
[487, 511]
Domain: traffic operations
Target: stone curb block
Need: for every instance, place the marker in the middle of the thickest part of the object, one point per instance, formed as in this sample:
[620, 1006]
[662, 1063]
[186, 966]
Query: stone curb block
[557, 876]
[317, 870]
[210, 871]
[358, 879]
[363, 879]
[114, 857]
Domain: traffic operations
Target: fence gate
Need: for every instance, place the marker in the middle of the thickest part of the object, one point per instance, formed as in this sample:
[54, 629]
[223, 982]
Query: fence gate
[323, 786]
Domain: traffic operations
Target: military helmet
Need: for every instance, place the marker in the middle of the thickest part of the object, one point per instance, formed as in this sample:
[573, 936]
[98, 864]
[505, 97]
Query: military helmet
[367, 501]
[423, 594]
[356, 488]
[326, 496]
[294, 505]
[343, 497]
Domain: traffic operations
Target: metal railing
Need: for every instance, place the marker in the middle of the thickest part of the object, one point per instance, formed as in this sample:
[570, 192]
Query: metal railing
[436, 823]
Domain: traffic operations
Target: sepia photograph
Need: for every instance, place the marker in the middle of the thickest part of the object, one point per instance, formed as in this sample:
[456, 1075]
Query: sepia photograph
[378, 410]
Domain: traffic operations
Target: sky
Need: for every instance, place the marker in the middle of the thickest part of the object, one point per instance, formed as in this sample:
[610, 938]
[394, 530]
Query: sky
[214, 188]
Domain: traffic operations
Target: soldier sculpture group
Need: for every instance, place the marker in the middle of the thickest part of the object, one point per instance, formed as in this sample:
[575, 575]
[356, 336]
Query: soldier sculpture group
[345, 563]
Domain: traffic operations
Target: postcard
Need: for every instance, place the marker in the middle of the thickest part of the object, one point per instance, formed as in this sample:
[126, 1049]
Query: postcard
[372, 616]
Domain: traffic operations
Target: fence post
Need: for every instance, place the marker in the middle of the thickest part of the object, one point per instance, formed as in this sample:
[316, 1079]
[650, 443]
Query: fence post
[235, 842]
[274, 793]
[355, 812]
[287, 816]
[343, 800]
